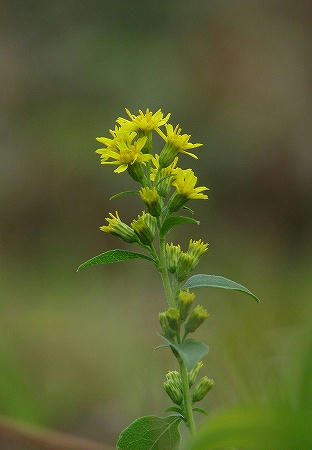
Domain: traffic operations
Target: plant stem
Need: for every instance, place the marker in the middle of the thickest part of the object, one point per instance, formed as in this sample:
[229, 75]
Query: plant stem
[187, 398]
[171, 301]
[163, 266]
[164, 272]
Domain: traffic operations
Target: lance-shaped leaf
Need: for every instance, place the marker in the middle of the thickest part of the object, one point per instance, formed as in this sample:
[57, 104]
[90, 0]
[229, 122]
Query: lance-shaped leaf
[203, 280]
[190, 350]
[119, 194]
[151, 432]
[113, 256]
[176, 220]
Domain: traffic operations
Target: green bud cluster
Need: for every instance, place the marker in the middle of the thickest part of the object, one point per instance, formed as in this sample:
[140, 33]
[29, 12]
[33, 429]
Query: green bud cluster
[182, 263]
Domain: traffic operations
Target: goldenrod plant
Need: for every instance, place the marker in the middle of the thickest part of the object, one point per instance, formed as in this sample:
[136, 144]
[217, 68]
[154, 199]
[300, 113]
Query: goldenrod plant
[165, 189]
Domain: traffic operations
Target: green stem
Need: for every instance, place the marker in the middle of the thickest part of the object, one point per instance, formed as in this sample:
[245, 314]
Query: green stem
[187, 397]
[171, 301]
[164, 272]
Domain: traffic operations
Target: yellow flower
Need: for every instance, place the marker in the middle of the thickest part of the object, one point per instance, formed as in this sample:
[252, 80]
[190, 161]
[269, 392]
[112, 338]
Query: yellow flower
[143, 121]
[175, 143]
[197, 248]
[185, 182]
[122, 150]
[118, 228]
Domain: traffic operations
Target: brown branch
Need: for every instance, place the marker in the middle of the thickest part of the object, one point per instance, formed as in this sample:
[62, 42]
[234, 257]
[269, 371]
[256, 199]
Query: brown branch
[43, 438]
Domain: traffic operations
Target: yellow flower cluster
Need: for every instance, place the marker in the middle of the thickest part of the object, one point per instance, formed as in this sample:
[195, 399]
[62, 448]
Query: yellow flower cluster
[130, 148]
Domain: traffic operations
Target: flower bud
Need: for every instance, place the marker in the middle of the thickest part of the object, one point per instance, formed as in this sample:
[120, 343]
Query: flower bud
[197, 317]
[151, 198]
[173, 253]
[185, 300]
[174, 392]
[196, 250]
[144, 227]
[194, 372]
[184, 266]
[201, 390]
[173, 317]
[168, 331]
[175, 377]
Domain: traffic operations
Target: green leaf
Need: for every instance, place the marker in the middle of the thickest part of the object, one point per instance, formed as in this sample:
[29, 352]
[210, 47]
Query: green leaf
[191, 351]
[203, 280]
[174, 408]
[151, 432]
[123, 193]
[201, 410]
[175, 220]
[188, 209]
[113, 256]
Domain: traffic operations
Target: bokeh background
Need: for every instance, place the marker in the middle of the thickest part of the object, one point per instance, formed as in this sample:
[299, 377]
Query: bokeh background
[76, 350]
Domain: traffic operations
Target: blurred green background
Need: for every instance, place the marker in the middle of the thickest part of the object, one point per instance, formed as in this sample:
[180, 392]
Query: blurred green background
[76, 350]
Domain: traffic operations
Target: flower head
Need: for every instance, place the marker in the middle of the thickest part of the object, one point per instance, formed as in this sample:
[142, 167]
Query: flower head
[151, 198]
[194, 372]
[163, 177]
[197, 249]
[202, 389]
[122, 149]
[195, 319]
[184, 267]
[175, 143]
[185, 181]
[185, 301]
[144, 227]
[143, 122]
[118, 228]
[173, 254]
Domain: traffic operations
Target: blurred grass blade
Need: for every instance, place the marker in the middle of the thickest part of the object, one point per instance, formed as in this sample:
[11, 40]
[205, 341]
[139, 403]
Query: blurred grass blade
[250, 428]
[216, 281]
[113, 256]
